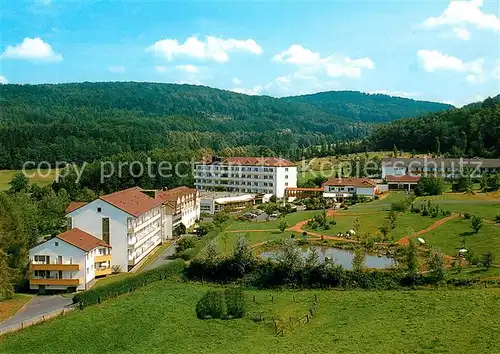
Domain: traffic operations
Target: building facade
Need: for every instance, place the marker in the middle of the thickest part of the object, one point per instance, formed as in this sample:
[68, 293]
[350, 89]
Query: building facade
[246, 175]
[215, 202]
[341, 188]
[441, 167]
[70, 260]
[134, 221]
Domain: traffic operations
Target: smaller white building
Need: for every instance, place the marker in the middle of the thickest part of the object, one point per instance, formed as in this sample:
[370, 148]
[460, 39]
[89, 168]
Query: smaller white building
[69, 261]
[214, 202]
[341, 188]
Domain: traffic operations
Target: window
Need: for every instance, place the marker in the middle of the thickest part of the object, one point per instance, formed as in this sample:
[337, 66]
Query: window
[69, 223]
[42, 259]
[56, 244]
[88, 271]
[105, 229]
[99, 209]
[286, 184]
[286, 176]
[286, 169]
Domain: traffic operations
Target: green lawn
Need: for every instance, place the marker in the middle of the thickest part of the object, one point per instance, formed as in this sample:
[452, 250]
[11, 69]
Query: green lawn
[6, 177]
[481, 204]
[406, 224]
[161, 319]
[254, 237]
[291, 219]
[472, 272]
[380, 204]
[448, 238]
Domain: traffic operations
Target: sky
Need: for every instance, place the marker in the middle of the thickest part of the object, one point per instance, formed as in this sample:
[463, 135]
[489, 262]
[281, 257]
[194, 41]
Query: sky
[427, 50]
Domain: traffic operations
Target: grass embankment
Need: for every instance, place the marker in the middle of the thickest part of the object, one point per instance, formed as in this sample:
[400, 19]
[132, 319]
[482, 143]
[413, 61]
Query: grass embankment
[44, 178]
[481, 204]
[8, 307]
[448, 238]
[161, 318]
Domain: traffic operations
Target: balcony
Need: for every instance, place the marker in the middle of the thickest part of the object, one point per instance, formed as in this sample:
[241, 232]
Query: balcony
[54, 281]
[63, 267]
[103, 271]
[102, 258]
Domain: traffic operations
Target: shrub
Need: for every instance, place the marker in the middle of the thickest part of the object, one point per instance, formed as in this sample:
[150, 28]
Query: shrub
[467, 216]
[487, 260]
[96, 295]
[497, 218]
[184, 243]
[211, 305]
[476, 223]
[235, 302]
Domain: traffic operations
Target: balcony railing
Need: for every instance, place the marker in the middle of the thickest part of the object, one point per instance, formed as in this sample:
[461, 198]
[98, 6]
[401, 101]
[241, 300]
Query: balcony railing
[54, 266]
[103, 258]
[103, 271]
[54, 281]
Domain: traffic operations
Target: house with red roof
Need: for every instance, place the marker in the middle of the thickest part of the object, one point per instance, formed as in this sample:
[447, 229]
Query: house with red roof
[134, 221]
[69, 261]
[344, 187]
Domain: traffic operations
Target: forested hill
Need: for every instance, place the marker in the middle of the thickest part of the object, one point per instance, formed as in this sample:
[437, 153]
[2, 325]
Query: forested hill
[473, 130]
[359, 106]
[86, 121]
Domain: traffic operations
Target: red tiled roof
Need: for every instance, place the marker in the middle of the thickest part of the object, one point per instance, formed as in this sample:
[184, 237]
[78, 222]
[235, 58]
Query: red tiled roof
[304, 189]
[357, 182]
[174, 193]
[253, 161]
[74, 205]
[132, 200]
[405, 178]
[82, 239]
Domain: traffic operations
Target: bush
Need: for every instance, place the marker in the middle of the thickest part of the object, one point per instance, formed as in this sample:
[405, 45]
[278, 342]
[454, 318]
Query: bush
[467, 216]
[235, 302]
[211, 305]
[96, 295]
[497, 218]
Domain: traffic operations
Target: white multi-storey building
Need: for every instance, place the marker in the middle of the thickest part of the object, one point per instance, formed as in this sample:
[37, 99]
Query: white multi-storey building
[341, 188]
[266, 175]
[70, 260]
[134, 221]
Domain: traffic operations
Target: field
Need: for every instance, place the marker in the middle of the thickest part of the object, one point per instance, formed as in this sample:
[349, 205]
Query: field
[448, 237]
[291, 219]
[9, 307]
[481, 204]
[6, 177]
[406, 224]
[226, 245]
[161, 318]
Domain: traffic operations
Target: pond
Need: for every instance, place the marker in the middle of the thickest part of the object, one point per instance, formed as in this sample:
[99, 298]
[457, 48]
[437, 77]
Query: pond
[342, 257]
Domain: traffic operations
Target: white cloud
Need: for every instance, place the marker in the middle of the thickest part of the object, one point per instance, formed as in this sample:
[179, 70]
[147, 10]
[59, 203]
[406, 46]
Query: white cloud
[256, 90]
[236, 81]
[461, 13]
[3, 80]
[117, 69]
[333, 65]
[213, 48]
[32, 49]
[434, 60]
[283, 79]
[188, 68]
[160, 68]
[397, 93]
[495, 73]
[462, 33]
[298, 55]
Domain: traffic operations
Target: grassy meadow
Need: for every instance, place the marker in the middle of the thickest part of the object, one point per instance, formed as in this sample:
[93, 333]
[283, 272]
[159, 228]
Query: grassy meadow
[161, 319]
[291, 219]
[43, 178]
[448, 237]
[481, 204]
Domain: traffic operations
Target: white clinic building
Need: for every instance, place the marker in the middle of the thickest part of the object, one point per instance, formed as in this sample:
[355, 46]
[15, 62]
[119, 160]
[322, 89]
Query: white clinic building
[70, 260]
[134, 221]
[257, 175]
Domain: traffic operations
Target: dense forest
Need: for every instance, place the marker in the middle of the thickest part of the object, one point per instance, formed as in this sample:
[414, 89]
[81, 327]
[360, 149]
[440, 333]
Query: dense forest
[88, 121]
[365, 107]
[473, 130]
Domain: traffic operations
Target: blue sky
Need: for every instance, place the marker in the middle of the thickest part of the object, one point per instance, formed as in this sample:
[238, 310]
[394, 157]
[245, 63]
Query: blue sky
[439, 50]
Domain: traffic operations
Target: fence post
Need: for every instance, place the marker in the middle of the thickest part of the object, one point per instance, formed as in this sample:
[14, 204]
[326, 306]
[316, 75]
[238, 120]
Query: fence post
[254, 298]
[272, 299]
[316, 298]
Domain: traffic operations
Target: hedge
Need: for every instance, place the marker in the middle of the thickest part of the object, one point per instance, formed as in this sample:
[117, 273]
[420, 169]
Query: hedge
[111, 290]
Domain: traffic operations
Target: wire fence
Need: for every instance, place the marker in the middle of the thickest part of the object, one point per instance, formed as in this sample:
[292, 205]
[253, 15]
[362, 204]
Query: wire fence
[35, 320]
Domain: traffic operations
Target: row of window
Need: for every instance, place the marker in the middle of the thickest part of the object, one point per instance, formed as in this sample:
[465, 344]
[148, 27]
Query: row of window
[236, 168]
[236, 183]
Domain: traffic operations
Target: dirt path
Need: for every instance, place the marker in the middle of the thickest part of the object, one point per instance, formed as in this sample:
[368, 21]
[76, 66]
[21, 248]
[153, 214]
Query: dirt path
[405, 240]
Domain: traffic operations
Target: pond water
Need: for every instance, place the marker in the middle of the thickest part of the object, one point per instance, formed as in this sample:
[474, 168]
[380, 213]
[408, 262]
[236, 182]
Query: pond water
[342, 257]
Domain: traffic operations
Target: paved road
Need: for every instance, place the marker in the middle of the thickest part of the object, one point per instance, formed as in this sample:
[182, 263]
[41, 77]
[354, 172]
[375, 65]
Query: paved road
[38, 306]
[162, 259]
